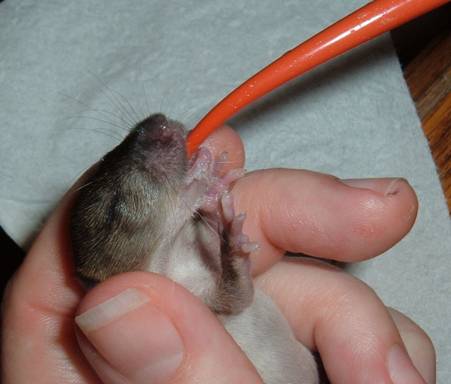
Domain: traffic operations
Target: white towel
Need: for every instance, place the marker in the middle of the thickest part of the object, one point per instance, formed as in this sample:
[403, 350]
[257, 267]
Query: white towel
[352, 117]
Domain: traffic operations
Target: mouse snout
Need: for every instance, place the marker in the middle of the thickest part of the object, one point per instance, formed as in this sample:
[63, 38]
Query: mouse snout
[154, 127]
[157, 129]
[156, 120]
[160, 142]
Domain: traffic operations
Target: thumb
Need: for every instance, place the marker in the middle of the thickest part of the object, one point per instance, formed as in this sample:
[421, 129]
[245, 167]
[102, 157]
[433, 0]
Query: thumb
[140, 327]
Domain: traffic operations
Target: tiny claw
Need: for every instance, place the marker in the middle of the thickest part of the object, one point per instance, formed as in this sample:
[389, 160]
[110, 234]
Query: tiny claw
[237, 224]
[227, 206]
[243, 239]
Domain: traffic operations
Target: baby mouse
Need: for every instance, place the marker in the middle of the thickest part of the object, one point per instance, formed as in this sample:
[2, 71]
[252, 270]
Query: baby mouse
[147, 207]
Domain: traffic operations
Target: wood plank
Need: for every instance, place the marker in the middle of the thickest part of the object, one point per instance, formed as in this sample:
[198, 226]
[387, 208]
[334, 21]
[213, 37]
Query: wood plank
[429, 79]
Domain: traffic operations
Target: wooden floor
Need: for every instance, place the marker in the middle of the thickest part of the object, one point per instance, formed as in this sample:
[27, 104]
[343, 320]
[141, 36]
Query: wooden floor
[429, 79]
[424, 51]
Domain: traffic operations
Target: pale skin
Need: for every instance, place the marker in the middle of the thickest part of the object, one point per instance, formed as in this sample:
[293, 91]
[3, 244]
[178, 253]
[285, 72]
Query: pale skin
[329, 310]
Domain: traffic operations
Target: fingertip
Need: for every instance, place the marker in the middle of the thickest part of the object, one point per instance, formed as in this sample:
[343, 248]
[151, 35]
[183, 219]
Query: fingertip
[418, 344]
[320, 215]
[226, 140]
[381, 211]
[397, 192]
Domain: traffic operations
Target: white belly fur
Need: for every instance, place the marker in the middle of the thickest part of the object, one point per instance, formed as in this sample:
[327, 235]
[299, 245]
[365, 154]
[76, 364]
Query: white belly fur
[267, 339]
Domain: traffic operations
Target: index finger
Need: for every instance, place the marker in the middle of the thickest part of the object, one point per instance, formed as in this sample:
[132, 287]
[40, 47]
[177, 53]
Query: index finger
[319, 215]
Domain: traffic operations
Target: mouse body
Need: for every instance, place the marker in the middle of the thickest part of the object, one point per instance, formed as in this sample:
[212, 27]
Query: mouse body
[147, 207]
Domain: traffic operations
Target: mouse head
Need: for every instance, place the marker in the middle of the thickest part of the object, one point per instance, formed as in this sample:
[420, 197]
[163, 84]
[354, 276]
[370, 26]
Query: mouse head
[120, 211]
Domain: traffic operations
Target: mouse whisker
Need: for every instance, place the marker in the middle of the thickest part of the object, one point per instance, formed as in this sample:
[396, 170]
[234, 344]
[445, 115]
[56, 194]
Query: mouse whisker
[118, 101]
[201, 217]
[235, 164]
[125, 125]
[146, 94]
[111, 134]
[170, 192]
[114, 124]
[189, 113]
[83, 186]
[196, 213]
[76, 178]
[147, 100]
[163, 102]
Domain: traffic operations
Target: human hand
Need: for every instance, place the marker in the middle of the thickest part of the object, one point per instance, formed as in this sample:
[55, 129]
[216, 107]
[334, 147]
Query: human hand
[171, 337]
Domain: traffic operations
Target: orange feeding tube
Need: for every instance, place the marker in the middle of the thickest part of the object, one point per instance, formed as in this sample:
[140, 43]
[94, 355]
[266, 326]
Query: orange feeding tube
[371, 20]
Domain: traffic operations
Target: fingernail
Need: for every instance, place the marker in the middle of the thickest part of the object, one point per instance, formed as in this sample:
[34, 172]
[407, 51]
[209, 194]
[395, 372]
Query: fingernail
[135, 339]
[400, 367]
[388, 186]
[393, 187]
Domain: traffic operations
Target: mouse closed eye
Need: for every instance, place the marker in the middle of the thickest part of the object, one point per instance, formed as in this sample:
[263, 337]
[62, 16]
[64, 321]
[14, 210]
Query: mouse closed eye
[147, 207]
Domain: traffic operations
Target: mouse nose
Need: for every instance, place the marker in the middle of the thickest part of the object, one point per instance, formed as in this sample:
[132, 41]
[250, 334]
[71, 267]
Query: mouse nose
[157, 129]
[153, 127]
[157, 120]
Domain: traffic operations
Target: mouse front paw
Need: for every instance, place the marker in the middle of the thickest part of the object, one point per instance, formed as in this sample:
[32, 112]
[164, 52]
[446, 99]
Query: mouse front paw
[235, 289]
[205, 179]
[215, 205]
[239, 243]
